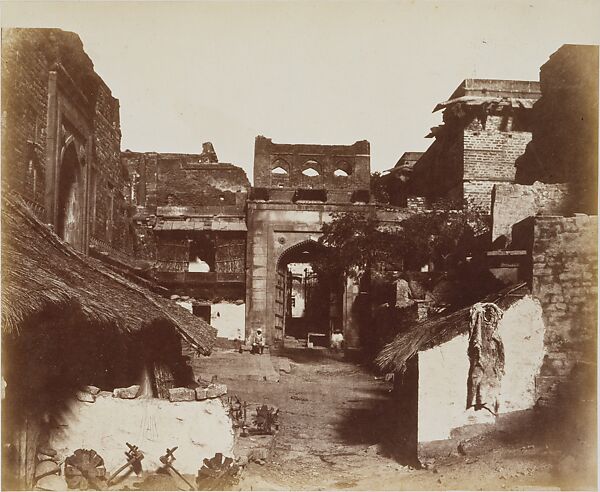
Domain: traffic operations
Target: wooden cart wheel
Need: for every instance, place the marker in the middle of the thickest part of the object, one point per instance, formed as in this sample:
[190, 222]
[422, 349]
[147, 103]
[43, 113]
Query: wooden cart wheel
[218, 473]
[85, 469]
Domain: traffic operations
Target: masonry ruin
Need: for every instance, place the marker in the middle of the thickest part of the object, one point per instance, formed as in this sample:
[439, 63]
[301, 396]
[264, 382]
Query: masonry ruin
[149, 231]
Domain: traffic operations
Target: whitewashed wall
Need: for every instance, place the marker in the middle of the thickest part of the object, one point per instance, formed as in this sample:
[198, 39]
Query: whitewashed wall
[443, 373]
[199, 429]
[229, 319]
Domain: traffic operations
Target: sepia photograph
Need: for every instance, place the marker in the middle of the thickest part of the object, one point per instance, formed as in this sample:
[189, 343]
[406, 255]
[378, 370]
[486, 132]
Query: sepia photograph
[299, 245]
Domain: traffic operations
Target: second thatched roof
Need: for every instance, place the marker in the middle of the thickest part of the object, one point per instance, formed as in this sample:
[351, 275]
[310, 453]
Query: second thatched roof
[40, 271]
[437, 330]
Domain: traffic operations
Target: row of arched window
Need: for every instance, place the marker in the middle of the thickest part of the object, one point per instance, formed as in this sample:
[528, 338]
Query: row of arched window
[280, 168]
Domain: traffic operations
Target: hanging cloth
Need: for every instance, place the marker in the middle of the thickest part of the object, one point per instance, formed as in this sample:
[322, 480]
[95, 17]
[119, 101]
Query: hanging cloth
[486, 355]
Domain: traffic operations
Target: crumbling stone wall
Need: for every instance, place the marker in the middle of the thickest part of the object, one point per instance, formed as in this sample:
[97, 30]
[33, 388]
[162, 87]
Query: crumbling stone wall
[191, 184]
[182, 180]
[111, 221]
[565, 272]
[513, 203]
[341, 168]
[565, 124]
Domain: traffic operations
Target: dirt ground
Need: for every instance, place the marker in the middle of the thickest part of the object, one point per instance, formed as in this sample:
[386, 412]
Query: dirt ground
[333, 415]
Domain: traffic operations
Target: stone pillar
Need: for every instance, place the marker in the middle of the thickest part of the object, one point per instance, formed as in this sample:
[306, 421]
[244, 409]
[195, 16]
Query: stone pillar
[349, 322]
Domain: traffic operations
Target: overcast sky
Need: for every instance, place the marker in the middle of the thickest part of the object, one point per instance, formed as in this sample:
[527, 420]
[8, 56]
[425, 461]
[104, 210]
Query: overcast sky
[300, 72]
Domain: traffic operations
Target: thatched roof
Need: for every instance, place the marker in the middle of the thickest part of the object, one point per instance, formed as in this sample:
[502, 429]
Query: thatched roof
[40, 271]
[437, 330]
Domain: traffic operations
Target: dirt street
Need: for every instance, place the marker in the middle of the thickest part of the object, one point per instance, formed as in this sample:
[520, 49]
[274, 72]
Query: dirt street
[334, 414]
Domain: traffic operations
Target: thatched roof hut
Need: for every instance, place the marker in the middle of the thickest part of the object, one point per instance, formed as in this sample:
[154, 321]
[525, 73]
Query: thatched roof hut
[438, 330]
[40, 272]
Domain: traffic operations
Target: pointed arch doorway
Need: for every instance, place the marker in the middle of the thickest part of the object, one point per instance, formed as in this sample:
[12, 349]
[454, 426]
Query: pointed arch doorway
[305, 302]
[69, 222]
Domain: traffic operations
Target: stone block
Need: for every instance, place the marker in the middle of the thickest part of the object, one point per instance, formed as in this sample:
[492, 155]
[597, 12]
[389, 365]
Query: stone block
[284, 365]
[86, 397]
[182, 394]
[216, 390]
[46, 467]
[127, 393]
[51, 482]
[259, 454]
[92, 390]
[46, 451]
[201, 394]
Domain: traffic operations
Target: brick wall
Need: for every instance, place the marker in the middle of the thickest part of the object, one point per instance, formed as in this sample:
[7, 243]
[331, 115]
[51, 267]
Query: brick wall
[25, 67]
[490, 153]
[439, 172]
[565, 272]
[111, 221]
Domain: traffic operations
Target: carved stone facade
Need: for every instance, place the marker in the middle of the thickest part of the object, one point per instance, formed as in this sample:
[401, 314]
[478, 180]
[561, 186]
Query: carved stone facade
[61, 138]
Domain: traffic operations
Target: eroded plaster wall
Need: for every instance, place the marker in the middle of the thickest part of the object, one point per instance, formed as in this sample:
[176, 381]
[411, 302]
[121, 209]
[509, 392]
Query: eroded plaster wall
[443, 373]
[198, 428]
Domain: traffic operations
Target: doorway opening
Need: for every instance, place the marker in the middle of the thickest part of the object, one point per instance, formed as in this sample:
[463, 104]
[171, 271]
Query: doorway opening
[307, 305]
[69, 223]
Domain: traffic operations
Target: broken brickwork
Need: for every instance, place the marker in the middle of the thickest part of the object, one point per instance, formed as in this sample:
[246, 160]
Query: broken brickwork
[190, 207]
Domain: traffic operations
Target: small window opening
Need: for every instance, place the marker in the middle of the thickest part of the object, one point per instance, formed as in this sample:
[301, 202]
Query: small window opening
[279, 170]
[311, 172]
[340, 172]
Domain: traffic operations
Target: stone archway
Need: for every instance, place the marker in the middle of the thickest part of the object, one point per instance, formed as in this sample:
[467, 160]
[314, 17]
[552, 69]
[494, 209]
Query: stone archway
[295, 286]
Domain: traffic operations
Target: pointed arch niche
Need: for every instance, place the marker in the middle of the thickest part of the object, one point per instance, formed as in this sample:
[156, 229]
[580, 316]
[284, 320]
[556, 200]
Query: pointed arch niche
[70, 196]
[280, 173]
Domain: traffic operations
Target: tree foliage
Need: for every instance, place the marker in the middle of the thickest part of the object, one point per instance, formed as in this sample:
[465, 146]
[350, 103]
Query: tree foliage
[443, 238]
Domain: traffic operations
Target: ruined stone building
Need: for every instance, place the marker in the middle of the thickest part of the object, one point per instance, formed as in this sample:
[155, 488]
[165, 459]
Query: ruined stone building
[486, 127]
[190, 218]
[396, 181]
[297, 187]
[61, 139]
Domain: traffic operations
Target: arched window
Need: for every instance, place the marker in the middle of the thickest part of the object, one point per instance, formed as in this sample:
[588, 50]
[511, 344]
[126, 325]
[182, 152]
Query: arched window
[340, 173]
[279, 170]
